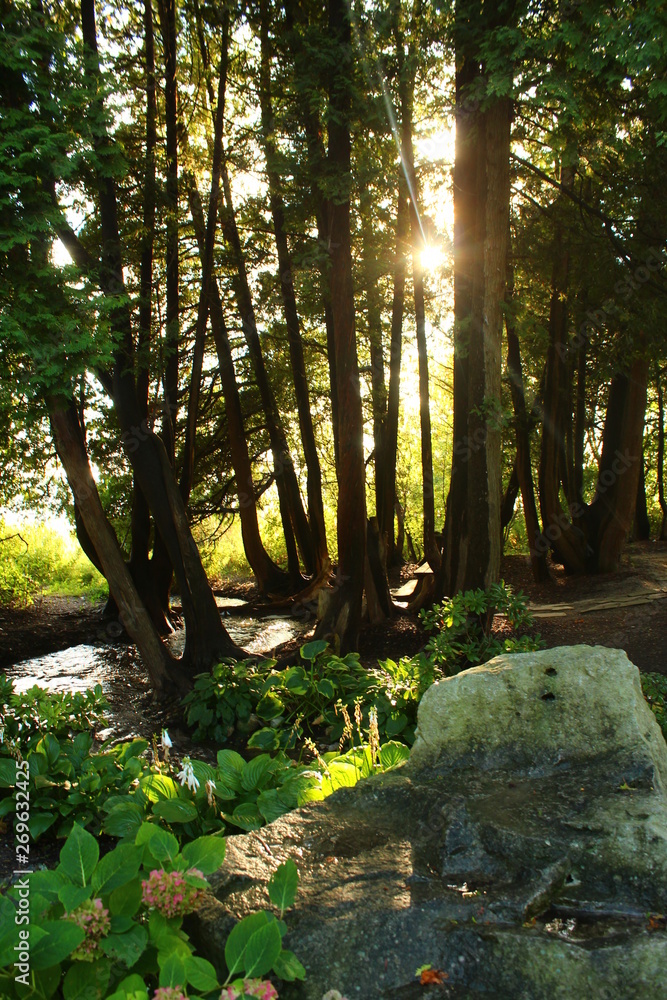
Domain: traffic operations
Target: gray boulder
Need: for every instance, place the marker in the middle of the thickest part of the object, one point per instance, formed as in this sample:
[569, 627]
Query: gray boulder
[522, 850]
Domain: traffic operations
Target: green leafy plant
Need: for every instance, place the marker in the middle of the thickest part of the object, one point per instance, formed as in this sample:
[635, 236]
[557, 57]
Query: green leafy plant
[654, 687]
[290, 702]
[461, 628]
[112, 927]
[25, 717]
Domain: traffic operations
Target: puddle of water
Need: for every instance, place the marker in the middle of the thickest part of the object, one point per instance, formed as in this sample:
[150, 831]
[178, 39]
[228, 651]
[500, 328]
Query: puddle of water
[81, 667]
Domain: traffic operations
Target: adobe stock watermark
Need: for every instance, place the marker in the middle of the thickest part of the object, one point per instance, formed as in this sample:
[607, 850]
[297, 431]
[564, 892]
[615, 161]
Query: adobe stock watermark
[22, 885]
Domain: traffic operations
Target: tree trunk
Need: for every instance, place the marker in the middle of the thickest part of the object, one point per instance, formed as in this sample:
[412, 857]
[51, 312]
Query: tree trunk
[565, 538]
[271, 580]
[206, 255]
[481, 220]
[641, 531]
[611, 512]
[523, 464]
[343, 616]
[285, 273]
[661, 458]
[317, 162]
[206, 638]
[386, 511]
[166, 675]
[295, 522]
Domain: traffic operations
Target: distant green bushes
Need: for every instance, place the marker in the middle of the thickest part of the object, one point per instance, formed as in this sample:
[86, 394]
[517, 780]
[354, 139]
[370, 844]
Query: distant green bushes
[38, 559]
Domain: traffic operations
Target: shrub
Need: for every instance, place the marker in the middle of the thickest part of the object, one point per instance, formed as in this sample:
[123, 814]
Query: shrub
[462, 628]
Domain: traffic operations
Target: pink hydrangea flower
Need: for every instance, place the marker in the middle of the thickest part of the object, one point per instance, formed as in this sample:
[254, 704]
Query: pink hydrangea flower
[169, 993]
[169, 893]
[261, 988]
[93, 918]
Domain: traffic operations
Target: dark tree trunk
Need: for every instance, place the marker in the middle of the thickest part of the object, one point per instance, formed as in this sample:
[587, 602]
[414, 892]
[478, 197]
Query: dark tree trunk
[317, 163]
[166, 674]
[295, 522]
[271, 580]
[285, 273]
[509, 499]
[612, 510]
[140, 567]
[661, 458]
[388, 504]
[206, 255]
[642, 527]
[343, 616]
[481, 223]
[523, 464]
[206, 638]
[564, 536]
[167, 16]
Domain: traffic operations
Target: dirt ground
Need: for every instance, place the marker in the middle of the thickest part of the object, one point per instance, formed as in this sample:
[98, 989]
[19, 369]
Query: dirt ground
[572, 614]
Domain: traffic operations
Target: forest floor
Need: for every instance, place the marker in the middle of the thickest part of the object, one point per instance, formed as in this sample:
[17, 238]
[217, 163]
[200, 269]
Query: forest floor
[626, 609]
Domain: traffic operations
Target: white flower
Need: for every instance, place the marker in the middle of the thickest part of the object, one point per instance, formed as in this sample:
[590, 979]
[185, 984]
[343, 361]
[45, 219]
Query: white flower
[209, 786]
[187, 775]
[166, 742]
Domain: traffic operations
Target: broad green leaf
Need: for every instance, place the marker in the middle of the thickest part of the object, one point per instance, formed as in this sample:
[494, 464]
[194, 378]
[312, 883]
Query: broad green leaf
[159, 786]
[126, 899]
[283, 885]
[116, 868]
[205, 853]
[392, 754]
[123, 820]
[72, 896]
[288, 967]
[79, 855]
[296, 680]
[128, 947]
[48, 883]
[7, 772]
[314, 794]
[266, 738]
[172, 970]
[162, 845]
[326, 688]
[229, 769]
[262, 951]
[255, 772]
[45, 983]
[201, 974]
[247, 816]
[175, 811]
[313, 649]
[341, 775]
[238, 941]
[62, 937]
[86, 980]
[269, 707]
[40, 822]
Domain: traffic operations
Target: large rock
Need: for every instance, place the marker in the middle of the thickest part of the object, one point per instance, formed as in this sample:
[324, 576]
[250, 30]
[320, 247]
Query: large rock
[520, 850]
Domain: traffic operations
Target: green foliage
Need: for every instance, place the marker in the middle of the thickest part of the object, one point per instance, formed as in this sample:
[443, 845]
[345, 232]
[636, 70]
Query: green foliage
[26, 717]
[654, 687]
[112, 927]
[39, 560]
[462, 627]
[292, 701]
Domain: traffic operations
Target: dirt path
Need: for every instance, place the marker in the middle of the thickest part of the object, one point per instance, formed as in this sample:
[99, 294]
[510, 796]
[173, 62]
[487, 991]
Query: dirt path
[626, 609]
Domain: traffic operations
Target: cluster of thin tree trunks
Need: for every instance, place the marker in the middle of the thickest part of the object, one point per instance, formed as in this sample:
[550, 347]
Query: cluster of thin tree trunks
[584, 537]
